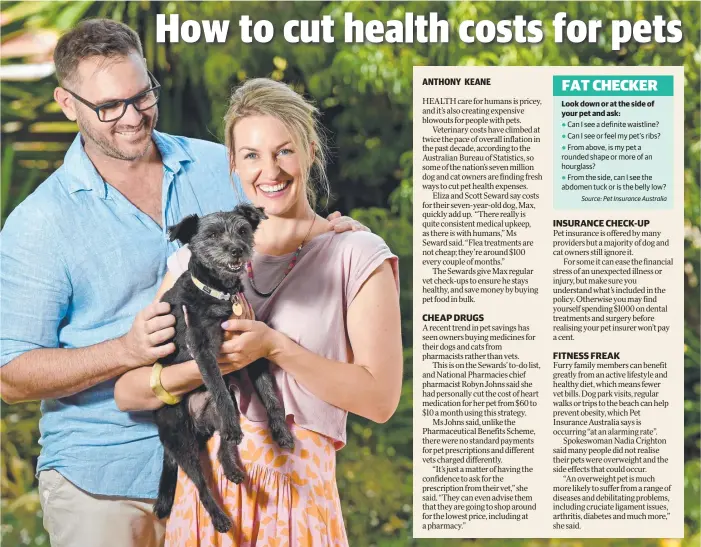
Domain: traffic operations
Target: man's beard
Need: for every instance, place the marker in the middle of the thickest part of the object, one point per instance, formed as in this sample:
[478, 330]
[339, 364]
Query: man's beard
[108, 147]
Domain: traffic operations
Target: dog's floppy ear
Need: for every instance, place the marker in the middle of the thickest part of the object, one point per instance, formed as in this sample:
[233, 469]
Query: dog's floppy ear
[185, 229]
[252, 214]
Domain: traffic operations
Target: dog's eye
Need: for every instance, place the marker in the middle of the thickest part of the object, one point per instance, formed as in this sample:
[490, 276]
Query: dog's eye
[242, 230]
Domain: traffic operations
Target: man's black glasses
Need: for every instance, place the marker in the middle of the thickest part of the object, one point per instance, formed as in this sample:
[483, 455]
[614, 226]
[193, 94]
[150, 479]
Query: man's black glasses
[114, 110]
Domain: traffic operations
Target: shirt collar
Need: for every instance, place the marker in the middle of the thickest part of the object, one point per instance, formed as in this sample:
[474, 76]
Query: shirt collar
[84, 176]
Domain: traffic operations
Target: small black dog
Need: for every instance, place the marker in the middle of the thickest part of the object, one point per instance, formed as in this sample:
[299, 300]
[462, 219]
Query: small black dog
[220, 244]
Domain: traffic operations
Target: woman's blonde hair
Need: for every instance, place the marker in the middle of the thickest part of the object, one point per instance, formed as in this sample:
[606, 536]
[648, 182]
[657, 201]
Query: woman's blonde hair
[266, 97]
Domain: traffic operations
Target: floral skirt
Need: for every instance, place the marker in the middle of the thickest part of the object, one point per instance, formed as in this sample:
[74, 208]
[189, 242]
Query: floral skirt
[288, 499]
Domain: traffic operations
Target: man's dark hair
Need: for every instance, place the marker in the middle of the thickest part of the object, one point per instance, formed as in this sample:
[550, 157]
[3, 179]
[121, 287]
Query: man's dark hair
[93, 38]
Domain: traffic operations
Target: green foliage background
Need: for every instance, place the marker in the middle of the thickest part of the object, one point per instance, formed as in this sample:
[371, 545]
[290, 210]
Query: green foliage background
[364, 91]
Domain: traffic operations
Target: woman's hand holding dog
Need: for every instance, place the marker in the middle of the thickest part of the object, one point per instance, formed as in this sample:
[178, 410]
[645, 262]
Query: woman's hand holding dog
[144, 343]
[230, 359]
[248, 341]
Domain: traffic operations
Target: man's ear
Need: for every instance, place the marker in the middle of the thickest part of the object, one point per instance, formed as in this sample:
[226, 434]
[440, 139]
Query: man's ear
[185, 229]
[64, 100]
[252, 214]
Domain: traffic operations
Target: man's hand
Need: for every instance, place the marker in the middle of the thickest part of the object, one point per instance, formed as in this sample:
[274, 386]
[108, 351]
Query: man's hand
[144, 343]
[344, 224]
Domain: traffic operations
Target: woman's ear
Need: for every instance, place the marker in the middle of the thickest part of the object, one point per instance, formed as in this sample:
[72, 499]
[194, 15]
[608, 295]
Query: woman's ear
[232, 166]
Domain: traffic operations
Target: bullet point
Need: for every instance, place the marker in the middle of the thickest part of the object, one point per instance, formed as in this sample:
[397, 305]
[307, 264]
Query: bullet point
[564, 125]
[563, 136]
[563, 178]
[564, 147]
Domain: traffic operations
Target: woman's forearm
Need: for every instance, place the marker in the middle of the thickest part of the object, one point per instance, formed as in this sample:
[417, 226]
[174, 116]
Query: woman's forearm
[349, 386]
[133, 390]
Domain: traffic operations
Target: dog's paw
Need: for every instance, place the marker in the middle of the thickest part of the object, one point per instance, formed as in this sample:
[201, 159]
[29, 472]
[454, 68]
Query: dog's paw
[221, 522]
[288, 444]
[231, 430]
[282, 436]
[231, 469]
[234, 475]
[162, 508]
[234, 435]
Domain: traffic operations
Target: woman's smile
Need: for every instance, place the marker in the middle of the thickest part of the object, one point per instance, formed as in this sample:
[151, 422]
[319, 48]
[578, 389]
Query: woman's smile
[274, 190]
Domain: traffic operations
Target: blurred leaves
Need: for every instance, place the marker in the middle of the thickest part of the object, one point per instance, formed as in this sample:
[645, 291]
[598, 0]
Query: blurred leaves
[21, 512]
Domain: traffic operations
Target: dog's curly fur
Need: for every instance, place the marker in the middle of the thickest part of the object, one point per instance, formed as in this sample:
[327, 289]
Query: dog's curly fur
[220, 243]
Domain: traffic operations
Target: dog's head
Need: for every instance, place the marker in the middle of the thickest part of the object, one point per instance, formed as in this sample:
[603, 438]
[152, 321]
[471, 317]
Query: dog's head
[221, 243]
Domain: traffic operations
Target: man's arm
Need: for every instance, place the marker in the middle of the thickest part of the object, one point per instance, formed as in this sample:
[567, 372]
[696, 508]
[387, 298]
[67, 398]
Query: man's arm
[51, 373]
[35, 296]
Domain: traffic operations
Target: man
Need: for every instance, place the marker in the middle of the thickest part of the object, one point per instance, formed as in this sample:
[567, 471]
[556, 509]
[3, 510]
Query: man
[82, 259]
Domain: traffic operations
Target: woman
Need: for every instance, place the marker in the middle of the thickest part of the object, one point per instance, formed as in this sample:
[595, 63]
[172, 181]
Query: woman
[328, 321]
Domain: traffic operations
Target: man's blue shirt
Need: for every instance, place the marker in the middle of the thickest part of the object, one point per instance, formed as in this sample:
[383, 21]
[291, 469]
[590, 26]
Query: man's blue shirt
[78, 262]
